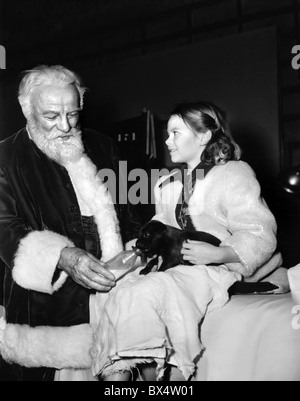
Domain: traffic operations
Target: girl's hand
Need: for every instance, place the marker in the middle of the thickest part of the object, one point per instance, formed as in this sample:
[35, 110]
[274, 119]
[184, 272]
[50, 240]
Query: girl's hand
[202, 253]
[159, 263]
[199, 253]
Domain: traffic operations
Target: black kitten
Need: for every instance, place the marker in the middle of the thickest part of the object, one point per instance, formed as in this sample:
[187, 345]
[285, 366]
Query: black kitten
[159, 239]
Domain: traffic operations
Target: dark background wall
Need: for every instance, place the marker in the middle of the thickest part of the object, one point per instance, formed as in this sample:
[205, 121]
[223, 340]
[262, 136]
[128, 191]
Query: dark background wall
[140, 53]
[88, 34]
[238, 73]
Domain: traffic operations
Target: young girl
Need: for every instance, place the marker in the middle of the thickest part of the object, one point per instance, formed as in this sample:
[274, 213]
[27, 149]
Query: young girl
[152, 322]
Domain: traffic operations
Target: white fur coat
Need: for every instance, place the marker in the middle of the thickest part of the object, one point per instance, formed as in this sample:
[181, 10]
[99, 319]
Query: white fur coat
[227, 203]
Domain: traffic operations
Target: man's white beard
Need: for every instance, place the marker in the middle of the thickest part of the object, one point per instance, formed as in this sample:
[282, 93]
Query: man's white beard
[62, 152]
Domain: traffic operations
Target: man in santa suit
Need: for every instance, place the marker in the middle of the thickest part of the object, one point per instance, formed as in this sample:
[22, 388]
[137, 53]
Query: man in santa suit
[58, 227]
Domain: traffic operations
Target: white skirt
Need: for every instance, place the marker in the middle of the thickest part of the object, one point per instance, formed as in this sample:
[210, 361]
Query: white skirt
[156, 318]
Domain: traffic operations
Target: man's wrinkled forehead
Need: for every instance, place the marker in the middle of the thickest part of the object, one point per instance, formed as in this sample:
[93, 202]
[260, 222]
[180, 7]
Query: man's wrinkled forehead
[50, 97]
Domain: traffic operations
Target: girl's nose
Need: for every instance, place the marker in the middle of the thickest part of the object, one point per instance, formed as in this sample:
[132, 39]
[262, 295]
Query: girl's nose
[169, 141]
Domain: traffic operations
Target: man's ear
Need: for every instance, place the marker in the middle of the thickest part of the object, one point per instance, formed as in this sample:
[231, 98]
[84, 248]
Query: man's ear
[26, 109]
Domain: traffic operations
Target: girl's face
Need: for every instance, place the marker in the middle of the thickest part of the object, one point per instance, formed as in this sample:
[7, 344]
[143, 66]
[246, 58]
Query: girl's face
[184, 145]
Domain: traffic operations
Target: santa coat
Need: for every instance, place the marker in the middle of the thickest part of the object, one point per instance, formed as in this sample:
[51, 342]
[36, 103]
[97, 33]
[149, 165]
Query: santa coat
[47, 313]
[227, 203]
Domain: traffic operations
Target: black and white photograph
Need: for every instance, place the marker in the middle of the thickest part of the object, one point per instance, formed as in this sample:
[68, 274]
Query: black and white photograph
[150, 193]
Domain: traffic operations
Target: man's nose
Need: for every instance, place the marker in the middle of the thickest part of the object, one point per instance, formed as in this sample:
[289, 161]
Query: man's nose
[63, 124]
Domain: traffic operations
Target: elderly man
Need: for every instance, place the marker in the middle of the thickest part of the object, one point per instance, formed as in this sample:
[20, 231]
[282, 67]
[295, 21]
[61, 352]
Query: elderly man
[58, 224]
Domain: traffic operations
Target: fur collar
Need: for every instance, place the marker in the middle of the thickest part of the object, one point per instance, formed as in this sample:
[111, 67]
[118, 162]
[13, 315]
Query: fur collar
[96, 196]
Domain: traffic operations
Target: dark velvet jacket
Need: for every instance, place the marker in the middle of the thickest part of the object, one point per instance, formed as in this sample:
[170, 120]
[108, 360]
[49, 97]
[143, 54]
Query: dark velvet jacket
[37, 194]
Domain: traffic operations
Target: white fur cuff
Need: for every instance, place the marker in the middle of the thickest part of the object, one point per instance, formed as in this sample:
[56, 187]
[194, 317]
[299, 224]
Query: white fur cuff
[53, 347]
[36, 261]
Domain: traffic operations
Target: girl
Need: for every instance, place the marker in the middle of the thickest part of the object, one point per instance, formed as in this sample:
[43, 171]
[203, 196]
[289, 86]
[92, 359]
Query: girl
[152, 322]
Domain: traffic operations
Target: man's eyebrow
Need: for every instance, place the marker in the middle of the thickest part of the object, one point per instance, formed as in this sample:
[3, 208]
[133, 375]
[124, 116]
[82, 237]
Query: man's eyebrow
[50, 112]
[57, 112]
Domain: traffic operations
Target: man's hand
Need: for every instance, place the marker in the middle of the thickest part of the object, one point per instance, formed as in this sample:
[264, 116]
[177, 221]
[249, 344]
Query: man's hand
[86, 270]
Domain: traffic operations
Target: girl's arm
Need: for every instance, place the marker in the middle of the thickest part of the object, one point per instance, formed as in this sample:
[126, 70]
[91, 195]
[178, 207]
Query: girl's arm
[201, 253]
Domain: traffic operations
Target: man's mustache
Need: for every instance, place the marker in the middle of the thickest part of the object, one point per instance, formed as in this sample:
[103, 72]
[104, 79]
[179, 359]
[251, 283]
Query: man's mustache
[75, 133]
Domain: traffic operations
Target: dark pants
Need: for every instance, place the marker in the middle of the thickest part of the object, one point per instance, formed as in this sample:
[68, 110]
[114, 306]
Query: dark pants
[19, 373]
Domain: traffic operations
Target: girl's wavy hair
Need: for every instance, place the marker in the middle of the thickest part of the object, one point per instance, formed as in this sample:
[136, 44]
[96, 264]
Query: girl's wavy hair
[44, 74]
[203, 116]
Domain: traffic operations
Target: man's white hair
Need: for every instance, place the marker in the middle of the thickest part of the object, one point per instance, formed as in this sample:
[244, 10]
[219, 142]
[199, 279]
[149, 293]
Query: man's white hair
[47, 75]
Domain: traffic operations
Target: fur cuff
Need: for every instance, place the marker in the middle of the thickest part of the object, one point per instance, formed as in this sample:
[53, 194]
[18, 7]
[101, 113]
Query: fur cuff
[53, 347]
[264, 271]
[36, 261]
[252, 251]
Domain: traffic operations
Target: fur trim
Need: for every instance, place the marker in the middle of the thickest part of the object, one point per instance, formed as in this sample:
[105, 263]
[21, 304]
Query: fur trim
[166, 199]
[96, 196]
[36, 261]
[197, 201]
[53, 347]
[264, 272]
